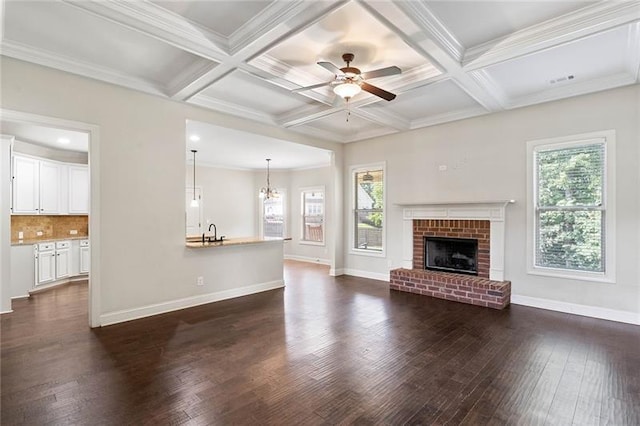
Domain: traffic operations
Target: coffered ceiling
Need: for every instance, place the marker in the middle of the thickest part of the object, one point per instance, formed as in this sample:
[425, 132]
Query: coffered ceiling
[459, 59]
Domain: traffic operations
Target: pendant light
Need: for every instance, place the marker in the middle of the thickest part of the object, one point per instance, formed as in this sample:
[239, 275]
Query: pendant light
[194, 202]
[268, 192]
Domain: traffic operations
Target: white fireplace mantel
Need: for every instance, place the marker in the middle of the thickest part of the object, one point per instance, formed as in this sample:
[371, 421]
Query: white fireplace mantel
[493, 211]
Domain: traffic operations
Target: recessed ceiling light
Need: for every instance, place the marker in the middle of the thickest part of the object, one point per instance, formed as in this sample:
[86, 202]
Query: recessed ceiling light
[194, 138]
[63, 141]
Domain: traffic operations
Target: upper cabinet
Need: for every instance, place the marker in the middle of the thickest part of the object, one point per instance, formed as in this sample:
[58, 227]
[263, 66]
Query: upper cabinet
[26, 185]
[48, 187]
[78, 190]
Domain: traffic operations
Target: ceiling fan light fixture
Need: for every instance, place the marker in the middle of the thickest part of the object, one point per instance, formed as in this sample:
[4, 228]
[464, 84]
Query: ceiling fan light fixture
[347, 90]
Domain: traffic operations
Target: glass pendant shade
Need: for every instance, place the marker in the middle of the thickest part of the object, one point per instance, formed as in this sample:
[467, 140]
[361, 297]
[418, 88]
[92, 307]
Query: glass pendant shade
[347, 90]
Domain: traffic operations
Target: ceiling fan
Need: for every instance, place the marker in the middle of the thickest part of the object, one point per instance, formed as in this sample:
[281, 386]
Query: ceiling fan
[349, 81]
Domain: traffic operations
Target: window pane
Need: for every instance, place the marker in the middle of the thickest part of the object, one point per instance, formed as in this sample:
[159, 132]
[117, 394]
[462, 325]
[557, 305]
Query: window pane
[369, 213]
[571, 176]
[313, 216]
[570, 240]
[368, 230]
[273, 217]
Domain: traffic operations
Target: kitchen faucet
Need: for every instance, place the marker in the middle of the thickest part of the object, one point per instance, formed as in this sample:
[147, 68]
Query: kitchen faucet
[215, 234]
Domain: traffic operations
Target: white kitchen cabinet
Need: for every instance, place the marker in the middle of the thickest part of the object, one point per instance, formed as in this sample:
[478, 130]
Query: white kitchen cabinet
[85, 257]
[49, 188]
[26, 185]
[78, 189]
[46, 262]
[63, 259]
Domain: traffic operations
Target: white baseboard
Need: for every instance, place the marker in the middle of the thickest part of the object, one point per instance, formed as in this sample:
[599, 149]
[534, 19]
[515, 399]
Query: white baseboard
[307, 259]
[26, 296]
[572, 308]
[366, 274]
[187, 302]
[6, 312]
[336, 272]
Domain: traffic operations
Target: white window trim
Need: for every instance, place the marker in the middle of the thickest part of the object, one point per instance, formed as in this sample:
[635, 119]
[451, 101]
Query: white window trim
[352, 203]
[282, 193]
[324, 215]
[609, 137]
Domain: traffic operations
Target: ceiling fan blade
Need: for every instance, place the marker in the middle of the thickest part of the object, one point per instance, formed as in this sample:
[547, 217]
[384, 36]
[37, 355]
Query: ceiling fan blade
[330, 67]
[378, 91]
[315, 86]
[382, 72]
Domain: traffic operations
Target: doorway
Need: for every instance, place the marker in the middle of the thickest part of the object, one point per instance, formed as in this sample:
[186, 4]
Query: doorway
[69, 194]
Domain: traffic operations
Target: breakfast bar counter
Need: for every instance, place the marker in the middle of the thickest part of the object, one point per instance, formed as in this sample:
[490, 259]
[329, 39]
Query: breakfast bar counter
[196, 242]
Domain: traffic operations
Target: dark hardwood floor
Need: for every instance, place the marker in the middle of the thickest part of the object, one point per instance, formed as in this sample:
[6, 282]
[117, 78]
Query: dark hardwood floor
[322, 351]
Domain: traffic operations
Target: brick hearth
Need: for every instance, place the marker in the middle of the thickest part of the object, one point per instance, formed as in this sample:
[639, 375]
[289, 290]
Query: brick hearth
[475, 290]
[455, 287]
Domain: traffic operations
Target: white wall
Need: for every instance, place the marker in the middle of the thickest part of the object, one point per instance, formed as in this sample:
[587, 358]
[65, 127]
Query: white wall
[486, 159]
[5, 223]
[142, 160]
[229, 200]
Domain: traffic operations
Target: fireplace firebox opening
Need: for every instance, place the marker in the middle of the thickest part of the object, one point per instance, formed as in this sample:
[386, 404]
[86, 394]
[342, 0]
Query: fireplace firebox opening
[458, 255]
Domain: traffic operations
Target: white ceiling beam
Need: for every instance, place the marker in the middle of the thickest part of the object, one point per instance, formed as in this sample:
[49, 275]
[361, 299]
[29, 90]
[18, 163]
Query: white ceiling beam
[274, 25]
[154, 21]
[418, 27]
[564, 29]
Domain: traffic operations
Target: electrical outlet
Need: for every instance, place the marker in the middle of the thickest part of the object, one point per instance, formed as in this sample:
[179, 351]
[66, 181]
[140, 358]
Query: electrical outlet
[39, 234]
[200, 281]
[442, 167]
[20, 235]
[73, 232]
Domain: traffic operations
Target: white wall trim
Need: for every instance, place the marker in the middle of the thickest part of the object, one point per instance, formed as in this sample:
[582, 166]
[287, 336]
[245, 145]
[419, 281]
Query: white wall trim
[307, 259]
[187, 302]
[367, 274]
[575, 309]
[493, 211]
[336, 272]
[6, 312]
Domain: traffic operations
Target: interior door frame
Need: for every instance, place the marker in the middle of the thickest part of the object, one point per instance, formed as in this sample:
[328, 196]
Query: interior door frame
[94, 306]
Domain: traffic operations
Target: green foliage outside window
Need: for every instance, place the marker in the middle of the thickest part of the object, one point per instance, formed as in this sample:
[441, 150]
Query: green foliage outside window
[570, 217]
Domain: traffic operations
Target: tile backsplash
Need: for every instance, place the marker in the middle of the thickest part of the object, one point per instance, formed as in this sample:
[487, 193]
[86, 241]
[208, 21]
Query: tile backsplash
[50, 226]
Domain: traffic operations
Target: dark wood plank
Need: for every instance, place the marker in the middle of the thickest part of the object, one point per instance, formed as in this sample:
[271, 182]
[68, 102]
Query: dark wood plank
[322, 351]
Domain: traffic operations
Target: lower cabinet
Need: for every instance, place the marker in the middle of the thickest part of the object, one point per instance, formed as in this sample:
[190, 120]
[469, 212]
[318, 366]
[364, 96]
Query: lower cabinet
[85, 257]
[45, 259]
[63, 259]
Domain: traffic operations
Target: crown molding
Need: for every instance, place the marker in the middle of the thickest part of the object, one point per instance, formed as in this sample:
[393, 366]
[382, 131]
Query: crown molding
[384, 118]
[589, 20]
[447, 117]
[231, 108]
[282, 19]
[161, 24]
[420, 13]
[189, 77]
[575, 89]
[487, 83]
[633, 50]
[74, 66]
[370, 134]
[275, 14]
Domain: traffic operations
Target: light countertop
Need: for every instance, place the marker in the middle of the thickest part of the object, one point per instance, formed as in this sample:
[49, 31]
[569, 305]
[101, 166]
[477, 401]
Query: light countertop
[29, 241]
[196, 242]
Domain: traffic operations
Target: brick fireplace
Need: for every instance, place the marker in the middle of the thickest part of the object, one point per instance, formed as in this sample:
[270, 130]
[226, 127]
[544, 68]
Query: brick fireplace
[483, 222]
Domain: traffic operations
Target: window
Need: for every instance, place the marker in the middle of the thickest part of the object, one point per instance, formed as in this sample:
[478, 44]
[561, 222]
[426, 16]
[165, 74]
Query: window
[273, 217]
[368, 196]
[571, 210]
[313, 216]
